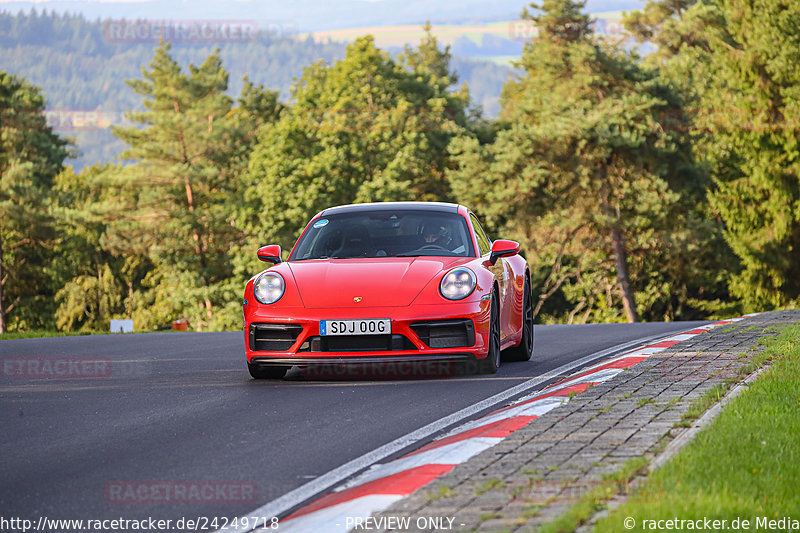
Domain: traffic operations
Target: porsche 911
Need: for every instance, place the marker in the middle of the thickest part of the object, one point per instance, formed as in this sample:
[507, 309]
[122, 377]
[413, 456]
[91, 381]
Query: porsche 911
[388, 283]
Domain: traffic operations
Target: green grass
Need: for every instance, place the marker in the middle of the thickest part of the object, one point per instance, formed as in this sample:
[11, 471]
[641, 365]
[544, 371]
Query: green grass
[40, 333]
[644, 401]
[702, 404]
[745, 465]
[529, 511]
[594, 500]
[488, 485]
[37, 333]
[715, 393]
[444, 492]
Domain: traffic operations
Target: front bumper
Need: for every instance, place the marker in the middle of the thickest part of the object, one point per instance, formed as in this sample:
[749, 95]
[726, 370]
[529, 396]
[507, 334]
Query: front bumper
[408, 344]
[359, 359]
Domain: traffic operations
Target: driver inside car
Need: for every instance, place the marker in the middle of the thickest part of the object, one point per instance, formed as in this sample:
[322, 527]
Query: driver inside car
[437, 236]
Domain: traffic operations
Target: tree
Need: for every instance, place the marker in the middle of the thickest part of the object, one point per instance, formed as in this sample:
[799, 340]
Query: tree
[176, 204]
[750, 109]
[584, 171]
[428, 58]
[96, 285]
[663, 22]
[366, 128]
[30, 156]
[742, 79]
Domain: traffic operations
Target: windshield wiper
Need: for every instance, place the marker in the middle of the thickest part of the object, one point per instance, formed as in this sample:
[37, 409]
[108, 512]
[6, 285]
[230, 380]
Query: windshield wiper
[316, 258]
[437, 253]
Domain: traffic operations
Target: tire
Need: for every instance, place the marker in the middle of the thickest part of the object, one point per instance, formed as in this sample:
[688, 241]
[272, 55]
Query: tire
[267, 372]
[491, 363]
[524, 350]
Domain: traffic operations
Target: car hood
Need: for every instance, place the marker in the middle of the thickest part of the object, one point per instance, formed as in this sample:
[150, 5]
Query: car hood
[393, 281]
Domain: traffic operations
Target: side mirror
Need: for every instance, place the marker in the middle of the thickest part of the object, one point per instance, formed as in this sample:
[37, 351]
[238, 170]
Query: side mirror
[503, 248]
[270, 254]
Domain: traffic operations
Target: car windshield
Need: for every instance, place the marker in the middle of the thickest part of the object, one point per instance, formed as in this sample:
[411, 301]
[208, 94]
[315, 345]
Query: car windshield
[385, 234]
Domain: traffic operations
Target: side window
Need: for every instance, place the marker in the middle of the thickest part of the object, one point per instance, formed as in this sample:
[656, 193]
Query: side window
[484, 243]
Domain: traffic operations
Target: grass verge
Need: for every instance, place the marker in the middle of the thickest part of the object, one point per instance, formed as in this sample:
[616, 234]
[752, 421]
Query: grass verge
[714, 394]
[745, 465]
[594, 500]
[40, 333]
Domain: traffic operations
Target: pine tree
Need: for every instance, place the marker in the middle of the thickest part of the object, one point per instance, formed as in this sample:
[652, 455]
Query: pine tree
[584, 172]
[737, 62]
[750, 106]
[30, 156]
[366, 128]
[176, 204]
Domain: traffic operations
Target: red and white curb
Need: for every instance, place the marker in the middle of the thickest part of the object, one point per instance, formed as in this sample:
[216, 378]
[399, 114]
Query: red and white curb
[383, 484]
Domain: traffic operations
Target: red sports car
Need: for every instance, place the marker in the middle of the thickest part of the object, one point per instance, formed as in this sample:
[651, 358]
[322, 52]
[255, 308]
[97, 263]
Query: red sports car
[388, 283]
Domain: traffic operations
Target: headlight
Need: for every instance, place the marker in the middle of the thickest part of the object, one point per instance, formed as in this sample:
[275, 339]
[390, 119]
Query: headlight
[269, 287]
[457, 284]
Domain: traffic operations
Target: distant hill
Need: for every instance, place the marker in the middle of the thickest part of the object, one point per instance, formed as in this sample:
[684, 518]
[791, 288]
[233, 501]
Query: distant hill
[500, 41]
[308, 15]
[82, 66]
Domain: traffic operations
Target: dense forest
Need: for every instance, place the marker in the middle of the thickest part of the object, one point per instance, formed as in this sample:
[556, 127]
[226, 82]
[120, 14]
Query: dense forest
[657, 188]
[83, 65]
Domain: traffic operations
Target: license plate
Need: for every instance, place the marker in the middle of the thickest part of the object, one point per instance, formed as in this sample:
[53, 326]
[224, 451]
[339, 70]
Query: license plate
[372, 326]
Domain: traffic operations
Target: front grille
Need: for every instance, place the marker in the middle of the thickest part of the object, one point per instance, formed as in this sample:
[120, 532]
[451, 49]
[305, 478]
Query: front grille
[357, 343]
[273, 337]
[446, 333]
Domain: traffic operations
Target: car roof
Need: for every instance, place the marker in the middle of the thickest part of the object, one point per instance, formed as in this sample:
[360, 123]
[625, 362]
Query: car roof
[392, 206]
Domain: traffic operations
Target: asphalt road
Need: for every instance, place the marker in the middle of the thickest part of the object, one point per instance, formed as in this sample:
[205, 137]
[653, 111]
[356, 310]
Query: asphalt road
[148, 417]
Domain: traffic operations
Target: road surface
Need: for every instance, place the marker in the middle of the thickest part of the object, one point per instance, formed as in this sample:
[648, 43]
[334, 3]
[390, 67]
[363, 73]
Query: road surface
[170, 425]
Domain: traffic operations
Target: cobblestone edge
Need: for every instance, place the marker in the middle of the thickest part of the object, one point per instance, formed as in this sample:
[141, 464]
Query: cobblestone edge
[539, 471]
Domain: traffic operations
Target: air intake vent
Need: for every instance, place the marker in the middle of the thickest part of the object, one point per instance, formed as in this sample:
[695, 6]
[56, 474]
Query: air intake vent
[446, 333]
[273, 337]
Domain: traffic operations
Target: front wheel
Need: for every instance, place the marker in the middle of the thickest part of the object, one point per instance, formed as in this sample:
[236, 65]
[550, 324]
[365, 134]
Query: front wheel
[524, 350]
[267, 372]
[491, 363]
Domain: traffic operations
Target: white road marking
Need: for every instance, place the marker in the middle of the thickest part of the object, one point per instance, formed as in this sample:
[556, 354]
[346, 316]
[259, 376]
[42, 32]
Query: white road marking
[537, 408]
[454, 453]
[293, 498]
[680, 338]
[334, 518]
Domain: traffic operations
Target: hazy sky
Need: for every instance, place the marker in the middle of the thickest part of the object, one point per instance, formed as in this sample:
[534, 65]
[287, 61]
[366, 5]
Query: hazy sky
[307, 15]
